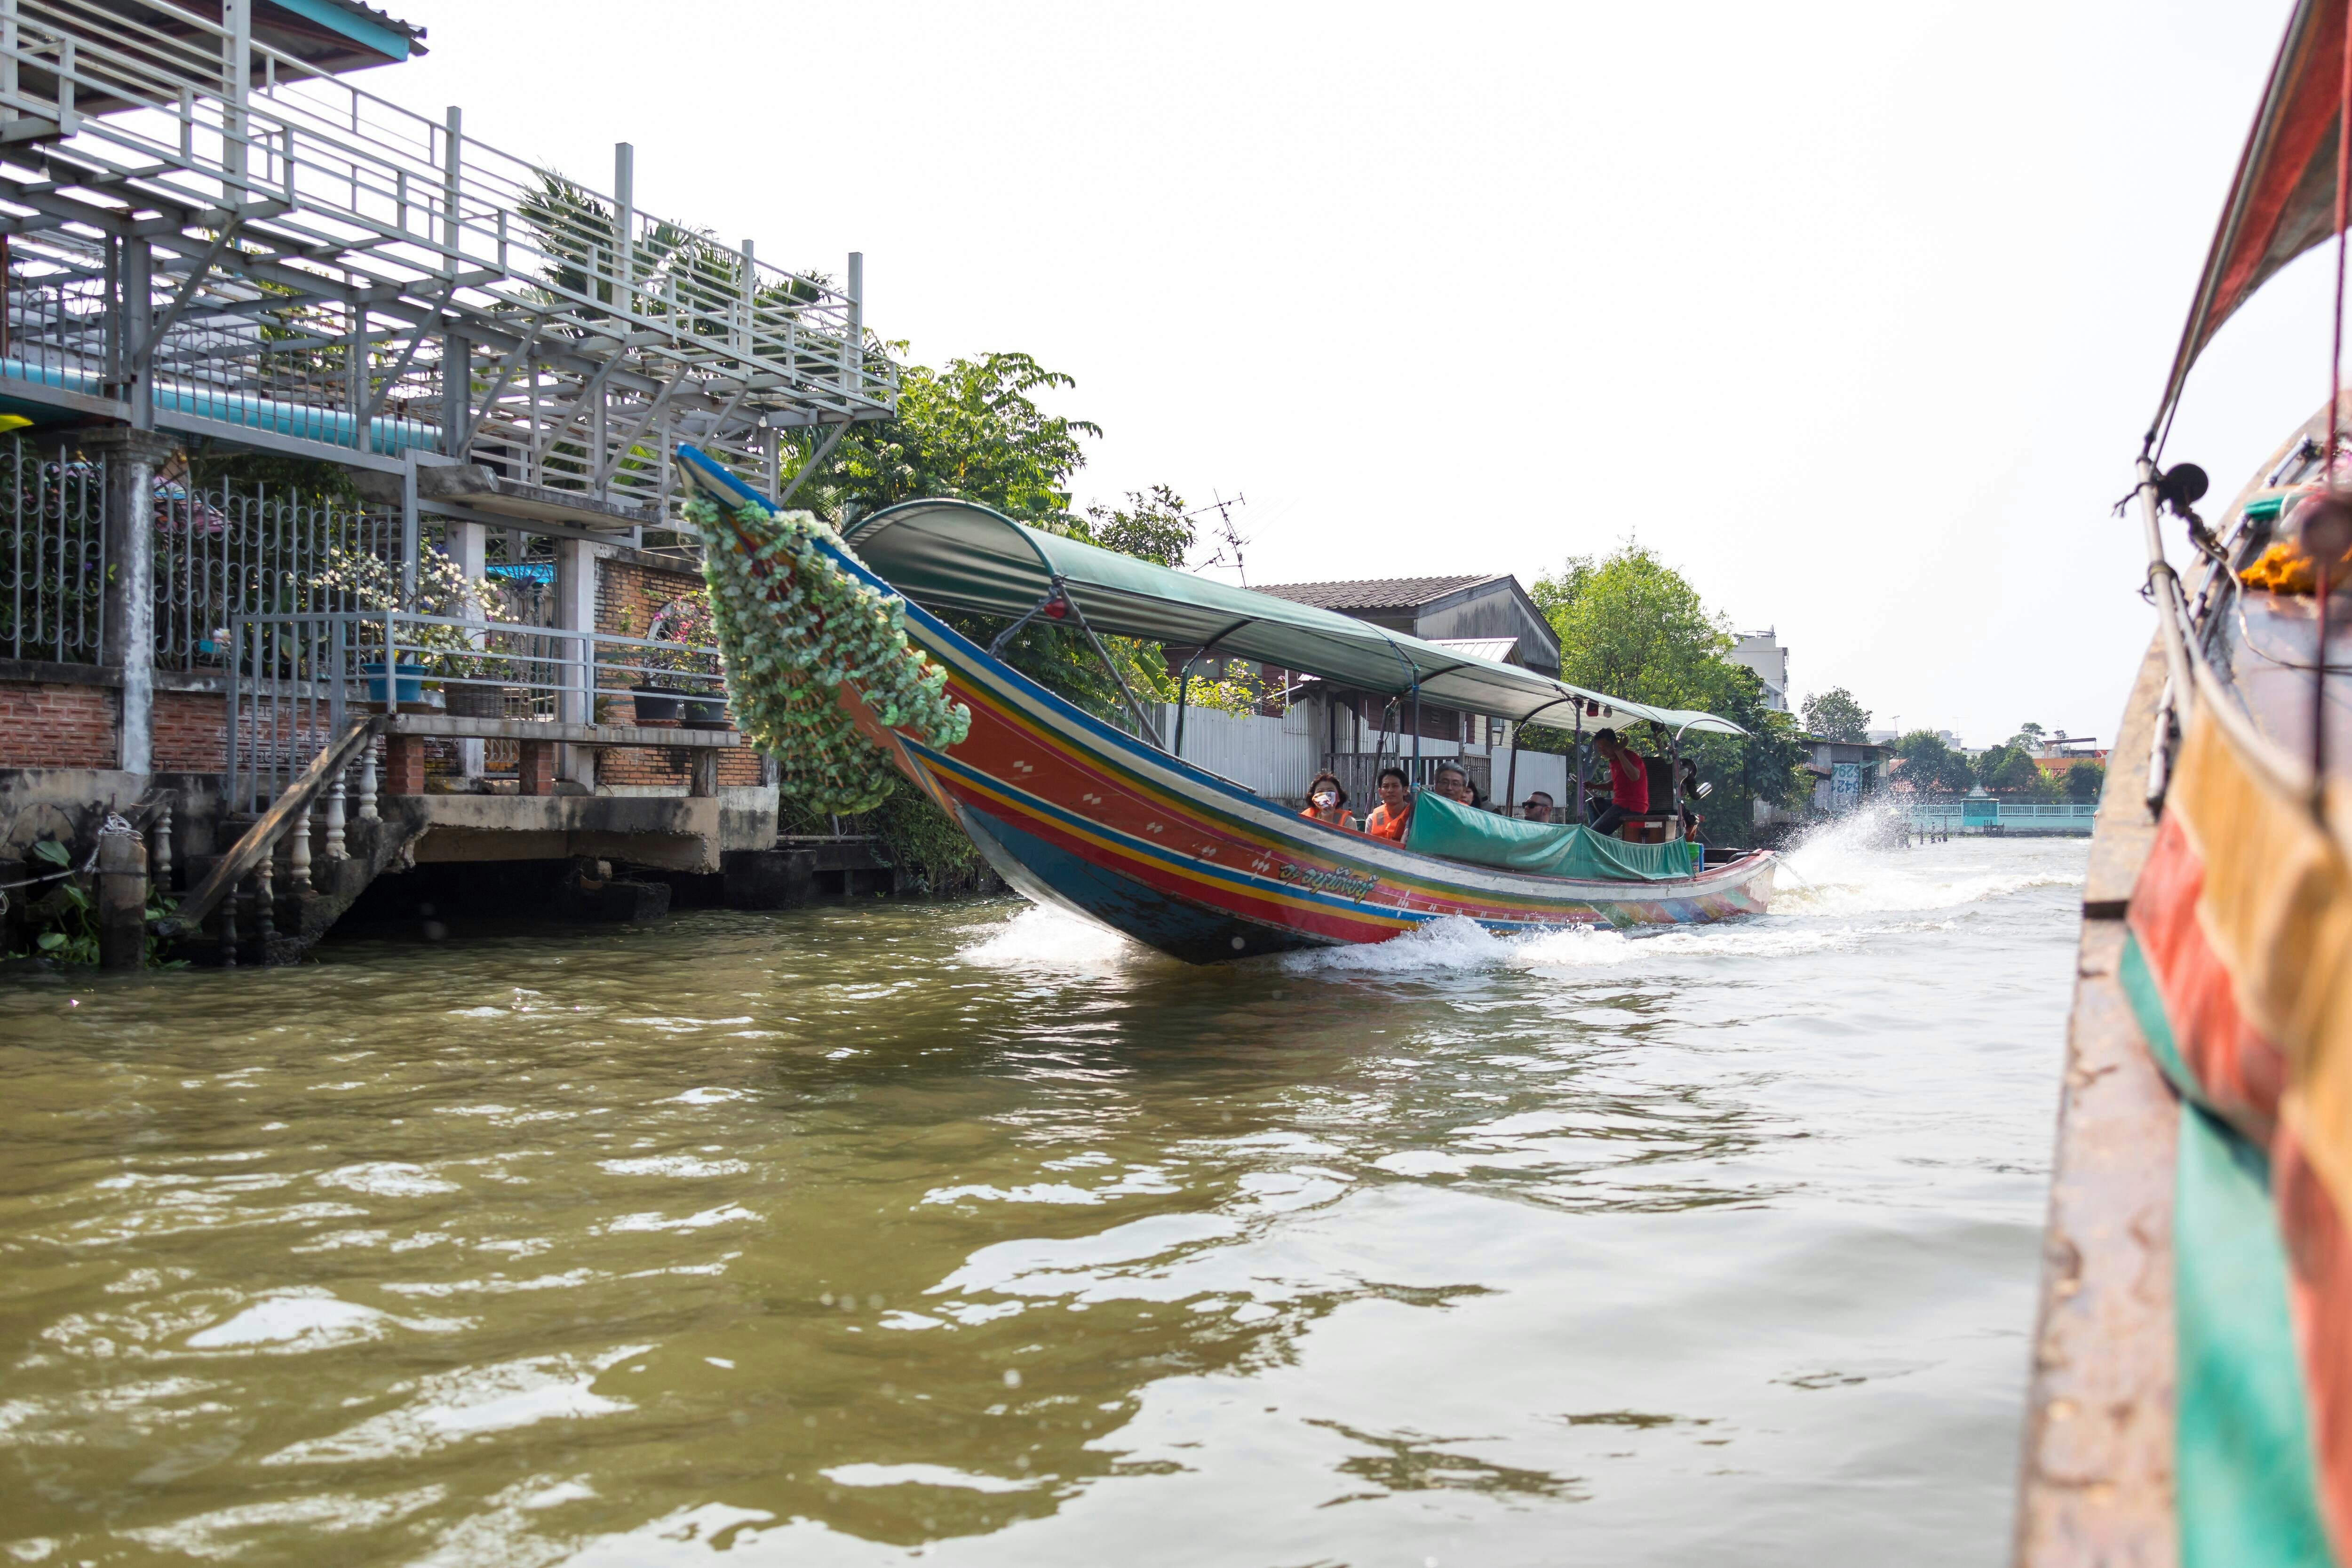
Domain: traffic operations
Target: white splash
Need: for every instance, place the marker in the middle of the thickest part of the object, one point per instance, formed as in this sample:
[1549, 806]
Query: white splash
[1041, 937]
[1835, 872]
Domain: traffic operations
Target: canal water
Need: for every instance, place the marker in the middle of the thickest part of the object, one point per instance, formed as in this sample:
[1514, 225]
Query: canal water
[970, 1234]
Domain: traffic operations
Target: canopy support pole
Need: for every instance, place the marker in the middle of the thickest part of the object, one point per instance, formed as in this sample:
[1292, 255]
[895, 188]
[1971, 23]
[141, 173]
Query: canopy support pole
[1060, 594]
[1416, 730]
[1144, 726]
[1511, 775]
[1184, 683]
[997, 648]
[1580, 814]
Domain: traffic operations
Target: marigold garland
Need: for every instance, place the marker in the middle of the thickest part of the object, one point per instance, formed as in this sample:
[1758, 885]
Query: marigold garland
[793, 629]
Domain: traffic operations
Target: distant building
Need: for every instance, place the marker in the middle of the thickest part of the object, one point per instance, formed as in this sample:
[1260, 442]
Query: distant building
[1761, 652]
[2062, 752]
[1488, 616]
[1495, 613]
[1845, 774]
[1888, 736]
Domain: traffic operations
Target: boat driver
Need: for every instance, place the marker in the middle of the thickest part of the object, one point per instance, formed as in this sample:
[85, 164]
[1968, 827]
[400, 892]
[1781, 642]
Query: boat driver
[1629, 780]
[1394, 814]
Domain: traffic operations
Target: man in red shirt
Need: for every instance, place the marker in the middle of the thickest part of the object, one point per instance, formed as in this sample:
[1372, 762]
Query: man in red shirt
[1629, 782]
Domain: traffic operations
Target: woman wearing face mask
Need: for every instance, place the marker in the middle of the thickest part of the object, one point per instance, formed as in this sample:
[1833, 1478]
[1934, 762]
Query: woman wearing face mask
[1328, 803]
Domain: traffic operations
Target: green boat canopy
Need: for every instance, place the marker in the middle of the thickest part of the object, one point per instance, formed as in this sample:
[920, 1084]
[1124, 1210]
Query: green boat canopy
[958, 555]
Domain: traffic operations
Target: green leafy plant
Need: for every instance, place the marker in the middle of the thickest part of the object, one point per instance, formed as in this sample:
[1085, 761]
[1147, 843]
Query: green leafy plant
[67, 933]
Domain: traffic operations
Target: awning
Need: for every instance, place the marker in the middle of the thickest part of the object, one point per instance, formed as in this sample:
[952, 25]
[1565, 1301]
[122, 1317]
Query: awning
[2282, 201]
[958, 555]
[1499, 649]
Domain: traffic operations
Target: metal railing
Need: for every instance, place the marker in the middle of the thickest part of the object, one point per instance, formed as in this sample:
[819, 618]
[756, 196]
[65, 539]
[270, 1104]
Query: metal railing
[341, 270]
[1963, 814]
[295, 679]
[221, 551]
[52, 555]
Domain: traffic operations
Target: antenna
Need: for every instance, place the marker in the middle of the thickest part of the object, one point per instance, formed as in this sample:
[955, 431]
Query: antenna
[1228, 539]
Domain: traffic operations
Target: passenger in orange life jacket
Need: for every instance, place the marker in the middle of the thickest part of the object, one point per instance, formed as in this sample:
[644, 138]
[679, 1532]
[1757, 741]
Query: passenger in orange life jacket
[1394, 814]
[1328, 803]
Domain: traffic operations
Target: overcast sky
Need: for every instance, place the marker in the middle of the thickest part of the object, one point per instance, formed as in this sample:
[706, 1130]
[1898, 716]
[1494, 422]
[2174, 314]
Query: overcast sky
[1853, 313]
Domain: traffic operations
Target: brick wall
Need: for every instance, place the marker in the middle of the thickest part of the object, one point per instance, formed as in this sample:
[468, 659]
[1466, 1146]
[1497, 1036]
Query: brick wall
[628, 596]
[191, 732]
[44, 726]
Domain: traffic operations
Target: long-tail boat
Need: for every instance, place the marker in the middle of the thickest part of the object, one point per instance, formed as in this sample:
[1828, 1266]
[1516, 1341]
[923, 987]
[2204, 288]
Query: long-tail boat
[2191, 1399]
[1076, 812]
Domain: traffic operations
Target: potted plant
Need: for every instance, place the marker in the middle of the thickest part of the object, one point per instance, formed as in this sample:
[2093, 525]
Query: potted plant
[688, 679]
[354, 581]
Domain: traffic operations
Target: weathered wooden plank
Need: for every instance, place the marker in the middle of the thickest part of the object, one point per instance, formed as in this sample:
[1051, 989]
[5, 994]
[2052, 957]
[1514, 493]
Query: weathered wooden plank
[2097, 1487]
[2124, 829]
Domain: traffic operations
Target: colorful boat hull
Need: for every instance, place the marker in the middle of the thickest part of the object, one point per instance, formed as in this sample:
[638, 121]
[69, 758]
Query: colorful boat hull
[1075, 812]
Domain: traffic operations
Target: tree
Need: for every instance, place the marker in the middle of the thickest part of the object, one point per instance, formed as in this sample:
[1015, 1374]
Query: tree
[972, 428]
[2084, 781]
[1632, 624]
[1635, 627]
[2028, 739]
[2008, 770]
[1834, 715]
[1150, 527]
[1931, 767]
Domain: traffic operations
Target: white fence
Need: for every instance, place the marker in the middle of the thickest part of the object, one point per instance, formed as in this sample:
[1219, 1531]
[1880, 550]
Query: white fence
[1979, 816]
[1274, 757]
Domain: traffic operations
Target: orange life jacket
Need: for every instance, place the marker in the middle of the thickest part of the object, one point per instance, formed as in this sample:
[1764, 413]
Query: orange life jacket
[1390, 826]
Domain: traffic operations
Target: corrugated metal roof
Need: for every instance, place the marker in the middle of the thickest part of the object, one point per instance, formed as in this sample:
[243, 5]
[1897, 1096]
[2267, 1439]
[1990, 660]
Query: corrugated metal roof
[1499, 649]
[1375, 593]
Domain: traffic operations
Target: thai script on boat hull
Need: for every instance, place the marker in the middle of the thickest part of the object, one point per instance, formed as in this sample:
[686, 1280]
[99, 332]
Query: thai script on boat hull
[1353, 885]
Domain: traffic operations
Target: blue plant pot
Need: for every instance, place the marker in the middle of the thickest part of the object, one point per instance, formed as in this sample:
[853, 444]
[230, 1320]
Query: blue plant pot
[408, 682]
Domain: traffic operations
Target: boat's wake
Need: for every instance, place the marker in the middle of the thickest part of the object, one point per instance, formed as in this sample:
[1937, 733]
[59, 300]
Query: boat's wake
[1834, 872]
[1841, 895]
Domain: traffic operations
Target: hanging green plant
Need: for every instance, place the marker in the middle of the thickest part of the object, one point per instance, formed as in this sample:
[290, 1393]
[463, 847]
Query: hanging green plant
[793, 628]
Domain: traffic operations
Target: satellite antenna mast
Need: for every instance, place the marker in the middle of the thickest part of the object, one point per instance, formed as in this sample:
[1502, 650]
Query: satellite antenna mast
[1228, 537]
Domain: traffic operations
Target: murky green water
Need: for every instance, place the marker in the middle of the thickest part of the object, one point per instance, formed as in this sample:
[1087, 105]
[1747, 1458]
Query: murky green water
[858, 1234]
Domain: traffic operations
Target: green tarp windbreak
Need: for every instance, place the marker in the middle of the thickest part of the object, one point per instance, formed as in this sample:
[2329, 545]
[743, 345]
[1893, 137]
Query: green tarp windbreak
[1456, 832]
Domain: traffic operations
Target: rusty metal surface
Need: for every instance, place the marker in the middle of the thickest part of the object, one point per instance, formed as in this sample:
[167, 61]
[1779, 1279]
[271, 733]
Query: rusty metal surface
[2096, 1483]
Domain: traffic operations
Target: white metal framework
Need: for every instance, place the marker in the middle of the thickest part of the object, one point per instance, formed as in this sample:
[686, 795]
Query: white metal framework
[204, 234]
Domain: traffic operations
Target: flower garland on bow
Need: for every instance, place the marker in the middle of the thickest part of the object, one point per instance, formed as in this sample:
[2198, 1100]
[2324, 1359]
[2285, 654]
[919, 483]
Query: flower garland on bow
[793, 628]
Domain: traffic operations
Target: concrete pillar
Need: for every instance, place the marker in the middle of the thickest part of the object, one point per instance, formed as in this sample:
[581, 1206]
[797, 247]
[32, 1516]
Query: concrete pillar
[131, 458]
[575, 610]
[468, 545]
[121, 900]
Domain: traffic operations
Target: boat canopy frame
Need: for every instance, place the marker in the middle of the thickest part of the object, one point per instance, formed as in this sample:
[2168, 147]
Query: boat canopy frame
[961, 555]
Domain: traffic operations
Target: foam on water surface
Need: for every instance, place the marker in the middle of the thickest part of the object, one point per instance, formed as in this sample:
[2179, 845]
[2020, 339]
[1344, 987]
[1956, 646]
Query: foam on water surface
[1832, 891]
